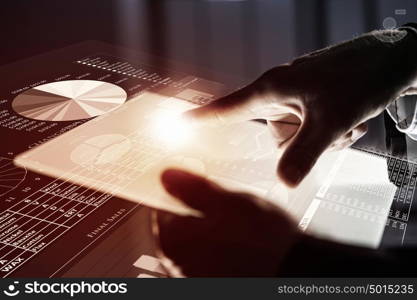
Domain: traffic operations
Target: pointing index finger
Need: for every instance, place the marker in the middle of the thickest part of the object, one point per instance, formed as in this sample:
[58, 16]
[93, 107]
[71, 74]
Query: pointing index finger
[236, 107]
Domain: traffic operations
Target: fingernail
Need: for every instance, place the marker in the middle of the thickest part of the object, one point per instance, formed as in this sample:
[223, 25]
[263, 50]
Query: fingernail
[191, 119]
[292, 174]
[174, 176]
[173, 179]
[164, 217]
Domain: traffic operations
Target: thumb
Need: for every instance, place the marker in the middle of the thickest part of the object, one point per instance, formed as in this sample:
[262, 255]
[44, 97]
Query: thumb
[195, 191]
[241, 105]
[311, 140]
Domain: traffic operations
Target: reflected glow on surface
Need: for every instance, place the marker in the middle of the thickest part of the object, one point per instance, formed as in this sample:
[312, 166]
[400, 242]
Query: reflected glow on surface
[170, 128]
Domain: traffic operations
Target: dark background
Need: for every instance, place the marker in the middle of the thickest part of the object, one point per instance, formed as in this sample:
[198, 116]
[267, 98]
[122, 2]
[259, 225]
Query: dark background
[242, 38]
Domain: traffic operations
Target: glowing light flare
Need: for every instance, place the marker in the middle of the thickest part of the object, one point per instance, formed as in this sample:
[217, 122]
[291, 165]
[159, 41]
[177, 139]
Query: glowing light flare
[170, 128]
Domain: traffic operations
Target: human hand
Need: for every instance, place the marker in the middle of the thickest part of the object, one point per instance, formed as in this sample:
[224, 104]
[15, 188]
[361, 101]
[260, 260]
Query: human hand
[239, 234]
[321, 100]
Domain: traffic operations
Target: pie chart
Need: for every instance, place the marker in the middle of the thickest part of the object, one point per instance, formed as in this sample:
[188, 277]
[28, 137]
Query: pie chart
[69, 100]
[100, 150]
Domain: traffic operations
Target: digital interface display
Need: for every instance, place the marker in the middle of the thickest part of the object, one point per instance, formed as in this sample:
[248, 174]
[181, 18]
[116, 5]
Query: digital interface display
[92, 108]
[47, 224]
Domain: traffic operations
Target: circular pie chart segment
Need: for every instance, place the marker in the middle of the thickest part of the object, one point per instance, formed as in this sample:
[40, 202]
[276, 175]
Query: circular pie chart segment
[101, 149]
[69, 100]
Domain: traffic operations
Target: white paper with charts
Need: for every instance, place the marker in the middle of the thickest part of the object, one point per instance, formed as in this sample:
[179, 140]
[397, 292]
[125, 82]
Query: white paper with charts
[346, 197]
